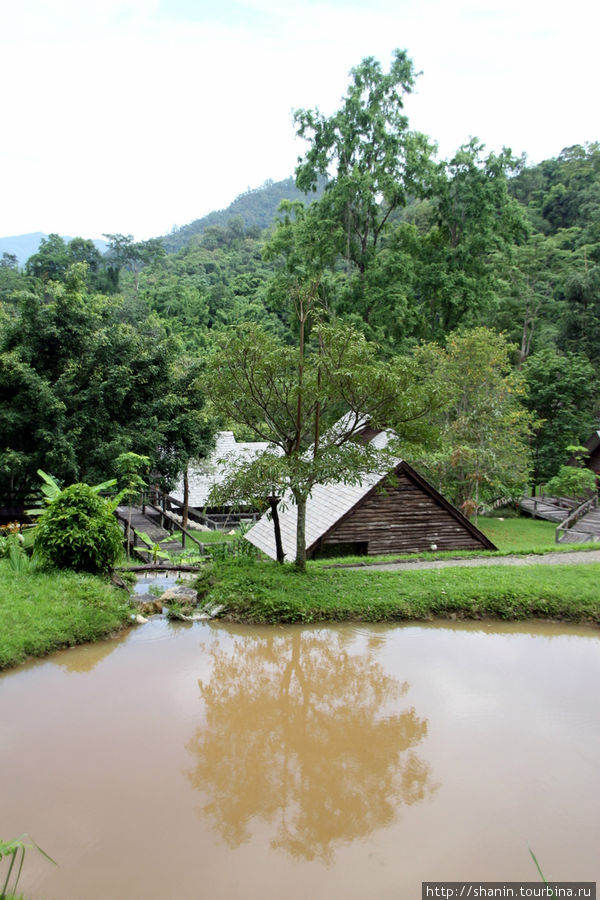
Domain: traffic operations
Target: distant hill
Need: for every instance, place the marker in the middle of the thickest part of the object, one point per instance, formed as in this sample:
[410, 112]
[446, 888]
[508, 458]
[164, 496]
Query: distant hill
[257, 208]
[25, 245]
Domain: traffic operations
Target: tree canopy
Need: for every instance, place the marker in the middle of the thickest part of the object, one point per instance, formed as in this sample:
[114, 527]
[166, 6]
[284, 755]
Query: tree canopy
[310, 403]
[100, 354]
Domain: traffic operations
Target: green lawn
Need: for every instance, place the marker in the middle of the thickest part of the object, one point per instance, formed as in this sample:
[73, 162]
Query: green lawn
[519, 534]
[265, 592]
[42, 612]
[212, 537]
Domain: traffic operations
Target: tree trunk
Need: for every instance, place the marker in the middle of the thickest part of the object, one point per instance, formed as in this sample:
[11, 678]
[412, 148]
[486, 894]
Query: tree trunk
[301, 534]
[273, 502]
[129, 531]
[302, 320]
[186, 497]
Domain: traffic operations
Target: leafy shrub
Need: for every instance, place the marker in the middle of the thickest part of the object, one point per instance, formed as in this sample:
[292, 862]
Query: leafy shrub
[572, 482]
[79, 531]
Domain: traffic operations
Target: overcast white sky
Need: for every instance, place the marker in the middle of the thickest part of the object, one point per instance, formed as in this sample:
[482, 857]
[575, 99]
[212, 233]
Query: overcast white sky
[134, 115]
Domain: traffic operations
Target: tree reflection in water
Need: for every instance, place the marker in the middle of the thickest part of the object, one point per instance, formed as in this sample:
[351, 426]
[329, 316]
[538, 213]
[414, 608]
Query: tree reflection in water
[302, 733]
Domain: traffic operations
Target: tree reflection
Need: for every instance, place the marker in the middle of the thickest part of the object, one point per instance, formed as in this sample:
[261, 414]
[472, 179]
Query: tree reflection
[303, 733]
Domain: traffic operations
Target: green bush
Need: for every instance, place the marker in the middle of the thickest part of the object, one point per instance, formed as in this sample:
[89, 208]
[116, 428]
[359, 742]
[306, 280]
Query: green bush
[79, 531]
[572, 482]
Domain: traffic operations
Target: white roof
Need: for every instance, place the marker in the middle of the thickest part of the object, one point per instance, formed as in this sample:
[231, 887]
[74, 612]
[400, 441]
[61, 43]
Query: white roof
[326, 504]
[205, 473]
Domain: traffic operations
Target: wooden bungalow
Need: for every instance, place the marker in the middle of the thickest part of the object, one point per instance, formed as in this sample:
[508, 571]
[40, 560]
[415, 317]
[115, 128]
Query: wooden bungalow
[593, 447]
[399, 512]
[203, 475]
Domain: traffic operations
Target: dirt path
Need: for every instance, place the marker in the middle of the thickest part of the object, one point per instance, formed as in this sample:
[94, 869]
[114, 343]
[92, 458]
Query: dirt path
[554, 559]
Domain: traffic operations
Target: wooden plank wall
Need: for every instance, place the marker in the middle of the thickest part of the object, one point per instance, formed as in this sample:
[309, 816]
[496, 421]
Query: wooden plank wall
[404, 519]
[594, 461]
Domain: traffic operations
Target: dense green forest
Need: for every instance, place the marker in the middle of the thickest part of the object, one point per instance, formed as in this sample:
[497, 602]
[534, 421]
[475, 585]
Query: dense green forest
[488, 264]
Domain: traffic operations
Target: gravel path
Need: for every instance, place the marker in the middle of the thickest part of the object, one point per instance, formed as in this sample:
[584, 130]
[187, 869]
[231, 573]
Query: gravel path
[556, 559]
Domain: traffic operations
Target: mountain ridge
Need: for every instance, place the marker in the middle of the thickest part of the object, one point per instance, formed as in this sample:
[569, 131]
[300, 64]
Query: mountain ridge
[25, 245]
[256, 207]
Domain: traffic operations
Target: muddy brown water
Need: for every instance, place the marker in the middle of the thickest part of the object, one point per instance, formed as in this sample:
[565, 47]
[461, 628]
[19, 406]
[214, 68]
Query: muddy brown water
[214, 761]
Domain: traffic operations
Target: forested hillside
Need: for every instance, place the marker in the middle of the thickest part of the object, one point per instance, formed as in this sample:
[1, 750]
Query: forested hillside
[253, 211]
[487, 264]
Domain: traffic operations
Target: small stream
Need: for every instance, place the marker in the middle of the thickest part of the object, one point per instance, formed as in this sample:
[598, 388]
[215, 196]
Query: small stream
[220, 761]
[148, 582]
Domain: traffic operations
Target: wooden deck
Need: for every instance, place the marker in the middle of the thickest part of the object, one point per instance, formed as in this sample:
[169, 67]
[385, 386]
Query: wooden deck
[587, 528]
[553, 509]
[143, 522]
[158, 527]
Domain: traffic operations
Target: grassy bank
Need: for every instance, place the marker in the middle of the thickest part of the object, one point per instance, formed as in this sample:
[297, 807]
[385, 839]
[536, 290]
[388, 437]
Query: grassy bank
[257, 592]
[42, 612]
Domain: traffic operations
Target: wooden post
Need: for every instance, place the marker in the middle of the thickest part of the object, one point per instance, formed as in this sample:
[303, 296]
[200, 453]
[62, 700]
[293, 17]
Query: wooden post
[273, 501]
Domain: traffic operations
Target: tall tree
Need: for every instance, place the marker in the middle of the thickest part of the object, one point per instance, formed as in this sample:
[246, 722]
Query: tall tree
[310, 402]
[459, 259]
[32, 425]
[55, 256]
[124, 253]
[484, 452]
[107, 384]
[580, 331]
[374, 164]
[51, 261]
[562, 395]
[188, 431]
[528, 309]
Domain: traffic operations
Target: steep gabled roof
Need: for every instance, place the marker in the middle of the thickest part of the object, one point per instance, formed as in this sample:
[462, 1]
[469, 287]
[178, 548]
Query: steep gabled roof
[211, 471]
[591, 445]
[593, 442]
[330, 504]
[327, 504]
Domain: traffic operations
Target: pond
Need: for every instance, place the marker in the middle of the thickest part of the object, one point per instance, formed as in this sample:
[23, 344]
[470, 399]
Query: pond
[210, 760]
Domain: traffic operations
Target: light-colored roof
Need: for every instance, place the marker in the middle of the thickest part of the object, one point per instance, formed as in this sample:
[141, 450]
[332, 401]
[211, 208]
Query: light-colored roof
[204, 474]
[327, 504]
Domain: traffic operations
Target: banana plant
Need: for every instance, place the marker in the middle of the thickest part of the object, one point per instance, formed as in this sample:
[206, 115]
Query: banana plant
[51, 489]
[152, 547]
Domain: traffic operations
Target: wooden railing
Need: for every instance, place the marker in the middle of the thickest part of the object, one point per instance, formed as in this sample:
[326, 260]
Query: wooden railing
[136, 539]
[131, 539]
[216, 521]
[577, 514]
[166, 517]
